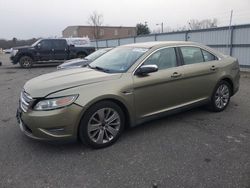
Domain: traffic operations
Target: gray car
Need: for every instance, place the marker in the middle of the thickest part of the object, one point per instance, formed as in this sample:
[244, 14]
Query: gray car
[82, 62]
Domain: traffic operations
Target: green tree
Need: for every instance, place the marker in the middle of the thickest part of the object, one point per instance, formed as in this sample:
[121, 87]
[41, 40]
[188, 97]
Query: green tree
[142, 29]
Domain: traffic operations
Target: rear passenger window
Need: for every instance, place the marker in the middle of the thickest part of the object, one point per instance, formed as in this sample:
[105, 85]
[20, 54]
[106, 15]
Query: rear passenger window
[59, 44]
[191, 55]
[208, 56]
[164, 58]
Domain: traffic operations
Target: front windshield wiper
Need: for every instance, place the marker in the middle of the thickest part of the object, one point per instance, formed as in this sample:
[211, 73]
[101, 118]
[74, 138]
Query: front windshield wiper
[101, 69]
[89, 66]
[98, 68]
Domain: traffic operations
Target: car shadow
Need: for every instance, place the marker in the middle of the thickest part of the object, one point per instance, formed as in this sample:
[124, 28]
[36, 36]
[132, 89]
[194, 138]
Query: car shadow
[129, 133]
[33, 67]
[168, 120]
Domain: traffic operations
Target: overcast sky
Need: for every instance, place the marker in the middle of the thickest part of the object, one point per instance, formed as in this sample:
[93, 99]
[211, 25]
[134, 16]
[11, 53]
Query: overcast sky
[47, 18]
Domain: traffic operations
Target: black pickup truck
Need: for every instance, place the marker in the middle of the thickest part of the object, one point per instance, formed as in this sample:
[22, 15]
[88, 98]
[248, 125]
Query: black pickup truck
[48, 50]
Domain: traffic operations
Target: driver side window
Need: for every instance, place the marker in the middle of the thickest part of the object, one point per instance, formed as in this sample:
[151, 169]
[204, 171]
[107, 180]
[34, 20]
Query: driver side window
[164, 58]
[45, 44]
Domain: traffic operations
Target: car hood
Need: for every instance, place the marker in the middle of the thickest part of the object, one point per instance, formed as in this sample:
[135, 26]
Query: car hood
[21, 47]
[43, 85]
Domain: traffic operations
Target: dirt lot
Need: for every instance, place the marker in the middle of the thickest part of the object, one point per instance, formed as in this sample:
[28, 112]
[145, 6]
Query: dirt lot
[196, 148]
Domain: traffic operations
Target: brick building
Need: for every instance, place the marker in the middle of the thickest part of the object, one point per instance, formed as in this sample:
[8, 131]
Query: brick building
[101, 32]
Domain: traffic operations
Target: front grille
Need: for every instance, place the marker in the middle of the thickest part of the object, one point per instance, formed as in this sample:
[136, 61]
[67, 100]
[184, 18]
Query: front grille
[25, 101]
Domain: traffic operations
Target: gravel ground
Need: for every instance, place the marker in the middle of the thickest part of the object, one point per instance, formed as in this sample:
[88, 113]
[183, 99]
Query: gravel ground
[196, 148]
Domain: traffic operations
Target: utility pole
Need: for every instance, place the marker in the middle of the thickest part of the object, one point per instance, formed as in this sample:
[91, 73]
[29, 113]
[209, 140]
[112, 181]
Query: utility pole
[161, 26]
[231, 17]
[229, 32]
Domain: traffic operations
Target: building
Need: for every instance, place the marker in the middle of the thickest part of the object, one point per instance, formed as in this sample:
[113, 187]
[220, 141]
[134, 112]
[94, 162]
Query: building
[101, 32]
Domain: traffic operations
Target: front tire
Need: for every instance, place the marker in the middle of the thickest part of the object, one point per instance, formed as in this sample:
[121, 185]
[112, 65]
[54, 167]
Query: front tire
[221, 96]
[26, 62]
[102, 124]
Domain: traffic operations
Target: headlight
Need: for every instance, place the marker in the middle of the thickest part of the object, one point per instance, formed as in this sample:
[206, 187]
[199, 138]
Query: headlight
[58, 67]
[13, 52]
[50, 104]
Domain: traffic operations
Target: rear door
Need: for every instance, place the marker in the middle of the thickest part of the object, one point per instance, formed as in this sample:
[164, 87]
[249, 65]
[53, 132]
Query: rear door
[200, 68]
[59, 48]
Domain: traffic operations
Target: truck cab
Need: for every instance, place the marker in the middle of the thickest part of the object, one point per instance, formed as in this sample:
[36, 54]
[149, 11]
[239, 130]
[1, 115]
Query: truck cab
[52, 50]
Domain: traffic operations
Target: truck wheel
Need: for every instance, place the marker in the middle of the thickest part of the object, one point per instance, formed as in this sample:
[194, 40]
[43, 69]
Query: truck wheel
[26, 62]
[81, 55]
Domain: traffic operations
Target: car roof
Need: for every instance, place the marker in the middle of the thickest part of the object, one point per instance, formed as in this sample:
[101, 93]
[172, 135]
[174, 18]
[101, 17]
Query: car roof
[105, 49]
[159, 44]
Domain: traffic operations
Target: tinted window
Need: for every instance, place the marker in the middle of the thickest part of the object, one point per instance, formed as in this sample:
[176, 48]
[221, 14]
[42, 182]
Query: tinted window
[208, 56]
[45, 44]
[59, 44]
[164, 58]
[191, 55]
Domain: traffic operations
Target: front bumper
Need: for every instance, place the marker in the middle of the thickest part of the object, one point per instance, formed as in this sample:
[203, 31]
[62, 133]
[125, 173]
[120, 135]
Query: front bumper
[14, 59]
[59, 124]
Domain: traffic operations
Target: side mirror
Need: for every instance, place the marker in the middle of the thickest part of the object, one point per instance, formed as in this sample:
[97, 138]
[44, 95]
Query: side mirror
[146, 69]
[38, 45]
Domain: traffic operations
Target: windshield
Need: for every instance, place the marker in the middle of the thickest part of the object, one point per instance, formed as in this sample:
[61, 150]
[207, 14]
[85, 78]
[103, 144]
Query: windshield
[118, 59]
[34, 44]
[97, 54]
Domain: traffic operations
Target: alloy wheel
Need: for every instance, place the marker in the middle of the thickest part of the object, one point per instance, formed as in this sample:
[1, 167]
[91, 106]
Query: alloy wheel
[104, 125]
[222, 96]
[26, 62]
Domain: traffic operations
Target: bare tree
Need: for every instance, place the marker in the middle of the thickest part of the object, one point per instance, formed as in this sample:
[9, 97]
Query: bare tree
[202, 24]
[96, 20]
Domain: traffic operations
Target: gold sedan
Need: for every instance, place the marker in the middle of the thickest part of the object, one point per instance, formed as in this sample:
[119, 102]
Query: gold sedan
[126, 86]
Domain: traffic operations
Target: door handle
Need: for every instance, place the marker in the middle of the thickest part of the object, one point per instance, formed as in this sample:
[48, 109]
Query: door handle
[176, 75]
[213, 68]
[128, 92]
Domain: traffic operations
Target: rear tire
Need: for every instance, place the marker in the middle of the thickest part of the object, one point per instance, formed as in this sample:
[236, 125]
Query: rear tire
[221, 96]
[81, 55]
[26, 62]
[102, 124]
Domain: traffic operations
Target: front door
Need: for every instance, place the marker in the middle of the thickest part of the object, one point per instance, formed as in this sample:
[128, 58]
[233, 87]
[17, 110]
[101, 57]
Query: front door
[162, 90]
[44, 50]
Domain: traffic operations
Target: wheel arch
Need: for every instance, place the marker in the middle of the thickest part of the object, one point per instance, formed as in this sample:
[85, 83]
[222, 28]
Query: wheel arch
[229, 81]
[25, 54]
[81, 53]
[128, 118]
[124, 108]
